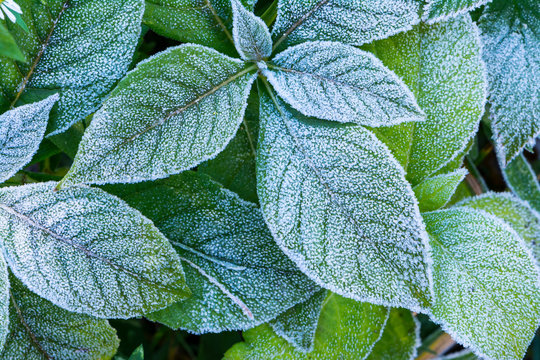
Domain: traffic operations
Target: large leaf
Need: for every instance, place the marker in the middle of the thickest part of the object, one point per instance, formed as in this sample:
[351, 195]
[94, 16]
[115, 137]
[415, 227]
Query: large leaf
[238, 275]
[174, 111]
[485, 280]
[512, 55]
[21, 132]
[353, 22]
[346, 327]
[8, 46]
[436, 192]
[251, 35]
[522, 180]
[339, 206]
[88, 251]
[339, 82]
[442, 66]
[4, 301]
[441, 10]
[78, 48]
[40, 330]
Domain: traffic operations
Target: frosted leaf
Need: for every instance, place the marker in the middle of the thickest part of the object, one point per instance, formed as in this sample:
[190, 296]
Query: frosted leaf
[435, 192]
[352, 334]
[298, 324]
[522, 180]
[8, 46]
[238, 275]
[339, 82]
[400, 338]
[234, 167]
[442, 10]
[174, 111]
[251, 35]
[78, 48]
[339, 206]
[512, 56]
[4, 302]
[442, 66]
[21, 132]
[87, 251]
[137, 354]
[204, 22]
[485, 280]
[353, 22]
[40, 330]
[517, 213]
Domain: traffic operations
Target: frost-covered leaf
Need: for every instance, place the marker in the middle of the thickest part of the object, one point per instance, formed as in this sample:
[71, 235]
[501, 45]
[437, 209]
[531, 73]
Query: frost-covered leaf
[522, 180]
[21, 132]
[339, 206]
[4, 301]
[8, 46]
[400, 338]
[238, 275]
[512, 55]
[346, 327]
[174, 111]
[40, 330]
[339, 82]
[234, 167]
[78, 48]
[442, 66]
[487, 284]
[88, 251]
[298, 324]
[441, 10]
[353, 22]
[435, 192]
[251, 35]
[517, 213]
[137, 354]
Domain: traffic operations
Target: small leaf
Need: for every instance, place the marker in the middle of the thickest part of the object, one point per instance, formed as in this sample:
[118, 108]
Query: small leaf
[4, 302]
[435, 192]
[251, 35]
[137, 354]
[40, 330]
[522, 180]
[339, 82]
[238, 275]
[442, 10]
[8, 46]
[21, 132]
[346, 327]
[174, 111]
[485, 279]
[339, 206]
[512, 55]
[87, 251]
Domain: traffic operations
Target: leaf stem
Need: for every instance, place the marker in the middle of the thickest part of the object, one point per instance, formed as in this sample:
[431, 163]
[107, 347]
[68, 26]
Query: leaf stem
[270, 14]
[441, 344]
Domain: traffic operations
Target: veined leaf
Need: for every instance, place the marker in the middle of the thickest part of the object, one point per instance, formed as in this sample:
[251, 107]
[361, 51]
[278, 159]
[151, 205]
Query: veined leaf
[238, 275]
[442, 66]
[251, 35]
[435, 192]
[442, 10]
[40, 330]
[21, 132]
[174, 111]
[512, 55]
[79, 48]
[346, 327]
[87, 251]
[339, 82]
[8, 46]
[353, 22]
[522, 180]
[339, 206]
[4, 302]
[485, 279]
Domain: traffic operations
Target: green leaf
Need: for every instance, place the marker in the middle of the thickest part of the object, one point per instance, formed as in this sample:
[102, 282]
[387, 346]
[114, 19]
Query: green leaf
[485, 280]
[238, 275]
[346, 327]
[174, 111]
[512, 55]
[40, 330]
[522, 180]
[352, 22]
[299, 324]
[88, 251]
[8, 46]
[138, 354]
[435, 192]
[251, 35]
[4, 302]
[339, 82]
[442, 10]
[339, 206]
[400, 338]
[21, 132]
[77, 48]
[442, 66]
